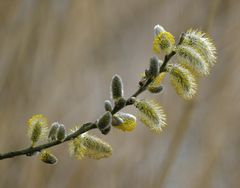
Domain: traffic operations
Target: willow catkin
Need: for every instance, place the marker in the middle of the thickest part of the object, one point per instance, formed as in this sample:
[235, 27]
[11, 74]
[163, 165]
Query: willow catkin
[164, 41]
[37, 128]
[183, 81]
[192, 60]
[127, 122]
[151, 114]
[90, 146]
[47, 157]
[204, 45]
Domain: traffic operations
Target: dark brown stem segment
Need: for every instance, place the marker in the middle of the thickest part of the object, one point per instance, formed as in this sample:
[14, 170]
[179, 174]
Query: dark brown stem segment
[87, 126]
[31, 150]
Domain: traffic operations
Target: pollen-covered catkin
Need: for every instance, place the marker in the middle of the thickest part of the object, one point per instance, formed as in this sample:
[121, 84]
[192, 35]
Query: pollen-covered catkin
[192, 60]
[47, 157]
[156, 83]
[204, 45]
[183, 81]
[87, 145]
[36, 133]
[95, 147]
[37, 128]
[163, 40]
[127, 121]
[151, 114]
[158, 89]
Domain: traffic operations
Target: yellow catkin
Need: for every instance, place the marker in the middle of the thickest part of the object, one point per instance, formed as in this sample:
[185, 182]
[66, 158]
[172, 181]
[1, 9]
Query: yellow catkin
[151, 114]
[192, 60]
[128, 122]
[96, 148]
[37, 128]
[89, 146]
[183, 81]
[157, 81]
[204, 45]
[76, 148]
[164, 41]
[47, 157]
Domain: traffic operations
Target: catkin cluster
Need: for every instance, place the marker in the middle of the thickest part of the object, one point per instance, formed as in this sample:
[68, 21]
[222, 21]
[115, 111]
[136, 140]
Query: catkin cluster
[195, 56]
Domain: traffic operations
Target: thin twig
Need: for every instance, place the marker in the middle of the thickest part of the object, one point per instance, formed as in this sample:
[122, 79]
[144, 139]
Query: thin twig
[31, 150]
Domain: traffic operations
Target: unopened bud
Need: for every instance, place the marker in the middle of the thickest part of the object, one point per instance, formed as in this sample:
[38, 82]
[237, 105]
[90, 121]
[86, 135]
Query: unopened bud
[158, 29]
[154, 67]
[104, 121]
[116, 121]
[106, 130]
[116, 87]
[53, 131]
[61, 133]
[108, 105]
[120, 103]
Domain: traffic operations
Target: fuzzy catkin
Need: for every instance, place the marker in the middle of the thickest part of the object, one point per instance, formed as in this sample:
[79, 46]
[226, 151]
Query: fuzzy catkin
[202, 44]
[48, 158]
[90, 146]
[192, 60]
[151, 114]
[128, 122]
[183, 81]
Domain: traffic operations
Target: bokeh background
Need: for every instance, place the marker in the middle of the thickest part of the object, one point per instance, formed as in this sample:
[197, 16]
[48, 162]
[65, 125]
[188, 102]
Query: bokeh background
[57, 58]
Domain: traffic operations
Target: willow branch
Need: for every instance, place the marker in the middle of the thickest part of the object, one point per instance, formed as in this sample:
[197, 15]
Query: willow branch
[88, 126]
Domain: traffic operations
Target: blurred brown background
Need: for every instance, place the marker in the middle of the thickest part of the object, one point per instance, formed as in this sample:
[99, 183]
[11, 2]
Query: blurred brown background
[57, 58]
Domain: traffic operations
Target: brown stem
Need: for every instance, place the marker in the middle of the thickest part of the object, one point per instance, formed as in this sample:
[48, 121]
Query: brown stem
[31, 150]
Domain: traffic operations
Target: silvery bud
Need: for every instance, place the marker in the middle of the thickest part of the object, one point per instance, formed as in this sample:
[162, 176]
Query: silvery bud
[116, 87]
[104, 122]
[116, 121]
[53, 131]
[158, 29]
[108, 105]
[154, 67]
[61, 133]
